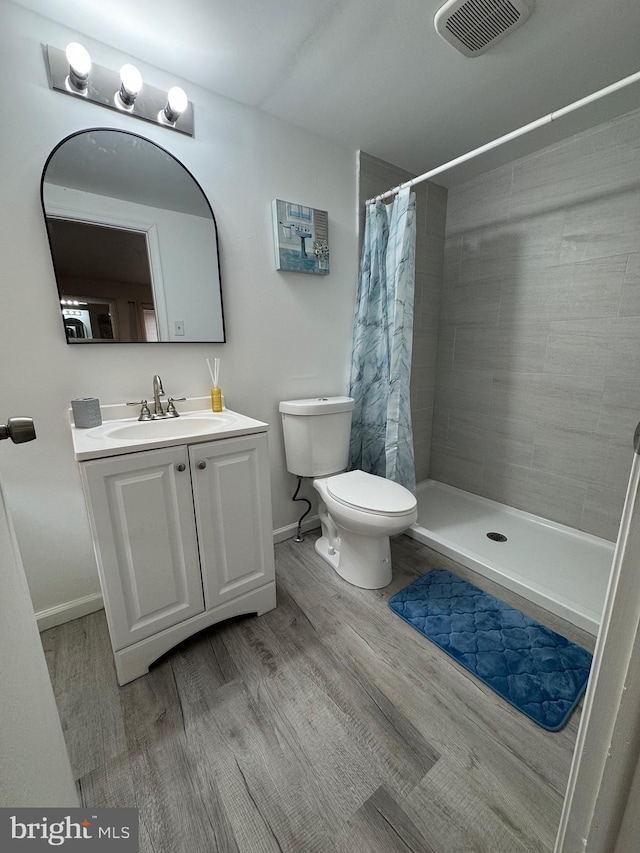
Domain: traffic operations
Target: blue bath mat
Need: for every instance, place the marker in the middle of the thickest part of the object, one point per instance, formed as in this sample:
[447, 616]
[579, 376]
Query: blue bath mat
[539, 672]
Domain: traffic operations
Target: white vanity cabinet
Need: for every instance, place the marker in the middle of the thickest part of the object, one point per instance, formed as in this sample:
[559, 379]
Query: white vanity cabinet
[183, 539]
[144, 533]
[231, 491]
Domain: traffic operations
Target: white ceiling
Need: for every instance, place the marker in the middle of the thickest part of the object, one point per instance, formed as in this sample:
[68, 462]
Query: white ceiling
[373, 74]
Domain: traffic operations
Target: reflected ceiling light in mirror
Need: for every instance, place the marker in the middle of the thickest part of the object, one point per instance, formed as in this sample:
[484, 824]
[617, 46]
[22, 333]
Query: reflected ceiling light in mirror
[130, 85]
[73, 73]
[79, 66]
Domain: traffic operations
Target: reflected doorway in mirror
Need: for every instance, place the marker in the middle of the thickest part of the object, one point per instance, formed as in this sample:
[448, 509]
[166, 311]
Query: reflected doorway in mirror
[105, 274]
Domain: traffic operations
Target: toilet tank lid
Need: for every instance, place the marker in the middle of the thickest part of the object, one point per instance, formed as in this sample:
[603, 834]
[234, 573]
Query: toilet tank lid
[317, 406]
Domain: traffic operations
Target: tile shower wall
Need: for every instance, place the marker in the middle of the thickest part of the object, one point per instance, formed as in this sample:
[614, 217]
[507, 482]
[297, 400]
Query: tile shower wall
[538, 379]
[376, 176]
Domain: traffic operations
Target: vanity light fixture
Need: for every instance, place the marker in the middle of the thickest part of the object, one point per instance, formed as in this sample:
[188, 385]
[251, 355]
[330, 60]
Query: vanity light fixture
[72, 72]
[79, 66]
[177, 103]
[130, 85]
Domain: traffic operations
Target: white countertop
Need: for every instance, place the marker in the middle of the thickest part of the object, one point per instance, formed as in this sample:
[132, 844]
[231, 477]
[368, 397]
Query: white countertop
[96, 443]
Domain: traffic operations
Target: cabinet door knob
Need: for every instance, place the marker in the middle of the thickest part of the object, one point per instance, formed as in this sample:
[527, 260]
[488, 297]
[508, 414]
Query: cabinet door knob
[202, 465]
[180, 466]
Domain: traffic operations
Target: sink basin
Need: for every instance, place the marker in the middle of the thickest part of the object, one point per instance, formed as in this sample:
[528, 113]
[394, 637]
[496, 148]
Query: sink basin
[119, 435]
[161, 429]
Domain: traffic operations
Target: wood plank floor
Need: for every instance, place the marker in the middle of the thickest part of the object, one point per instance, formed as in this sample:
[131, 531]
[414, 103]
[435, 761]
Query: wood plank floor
[328, 724]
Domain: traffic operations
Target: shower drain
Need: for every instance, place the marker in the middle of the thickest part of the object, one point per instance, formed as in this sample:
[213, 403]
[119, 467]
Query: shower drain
[497, 537]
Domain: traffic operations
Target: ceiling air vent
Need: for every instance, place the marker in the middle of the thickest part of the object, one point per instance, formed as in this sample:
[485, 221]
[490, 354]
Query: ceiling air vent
[473, 26]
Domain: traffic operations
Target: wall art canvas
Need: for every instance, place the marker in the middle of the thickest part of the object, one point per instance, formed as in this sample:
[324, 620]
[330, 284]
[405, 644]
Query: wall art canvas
[301, 238]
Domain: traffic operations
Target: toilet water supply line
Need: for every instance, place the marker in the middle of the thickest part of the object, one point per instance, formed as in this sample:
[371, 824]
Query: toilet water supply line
[299, 536]
[514, 134]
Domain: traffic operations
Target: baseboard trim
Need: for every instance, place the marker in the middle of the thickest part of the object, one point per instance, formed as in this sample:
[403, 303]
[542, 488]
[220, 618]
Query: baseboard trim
[290, 530]
[68, 611]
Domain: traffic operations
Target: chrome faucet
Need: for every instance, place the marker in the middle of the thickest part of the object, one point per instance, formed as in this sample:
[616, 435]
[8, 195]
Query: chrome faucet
[158, 411]
[158, 391]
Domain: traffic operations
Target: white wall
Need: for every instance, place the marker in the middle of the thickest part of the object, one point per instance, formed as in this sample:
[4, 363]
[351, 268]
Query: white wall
[288, 334]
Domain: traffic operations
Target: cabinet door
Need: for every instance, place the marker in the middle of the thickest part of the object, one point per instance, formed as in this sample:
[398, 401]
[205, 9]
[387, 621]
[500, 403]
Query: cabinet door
[232, 498]
[141, 511]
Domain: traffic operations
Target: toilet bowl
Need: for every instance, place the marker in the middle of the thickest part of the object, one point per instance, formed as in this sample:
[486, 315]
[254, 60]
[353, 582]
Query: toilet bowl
[358, 513]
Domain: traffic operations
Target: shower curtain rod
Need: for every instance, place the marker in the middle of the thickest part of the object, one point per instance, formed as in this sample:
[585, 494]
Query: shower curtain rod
[626, 81]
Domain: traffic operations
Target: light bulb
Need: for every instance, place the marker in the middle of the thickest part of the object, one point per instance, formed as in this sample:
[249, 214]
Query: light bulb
[177, 103]
[130, 84]
[79, 65]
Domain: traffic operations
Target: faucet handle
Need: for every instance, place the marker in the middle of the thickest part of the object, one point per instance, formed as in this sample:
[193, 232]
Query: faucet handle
[172, 412]
[145, 414]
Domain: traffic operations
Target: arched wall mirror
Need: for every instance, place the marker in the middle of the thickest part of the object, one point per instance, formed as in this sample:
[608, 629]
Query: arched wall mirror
[133, 240]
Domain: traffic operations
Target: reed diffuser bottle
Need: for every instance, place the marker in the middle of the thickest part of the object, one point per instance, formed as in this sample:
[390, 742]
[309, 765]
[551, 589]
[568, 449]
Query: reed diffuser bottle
[216, 393]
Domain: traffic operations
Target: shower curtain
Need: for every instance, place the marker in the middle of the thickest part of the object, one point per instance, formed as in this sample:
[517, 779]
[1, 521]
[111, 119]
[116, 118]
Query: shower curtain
[381, 434]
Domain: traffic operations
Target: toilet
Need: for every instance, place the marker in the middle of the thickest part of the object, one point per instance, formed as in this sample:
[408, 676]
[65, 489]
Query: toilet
[358, 511]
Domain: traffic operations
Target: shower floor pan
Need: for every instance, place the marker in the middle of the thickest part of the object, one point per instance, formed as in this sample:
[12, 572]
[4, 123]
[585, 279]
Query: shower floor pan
[563, 570]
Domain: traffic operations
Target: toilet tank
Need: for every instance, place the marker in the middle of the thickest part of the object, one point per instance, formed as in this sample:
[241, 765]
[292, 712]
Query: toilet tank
[316, 435]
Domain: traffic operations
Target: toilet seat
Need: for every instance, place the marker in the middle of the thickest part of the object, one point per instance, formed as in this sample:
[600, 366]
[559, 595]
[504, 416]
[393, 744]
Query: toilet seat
[370, 493]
